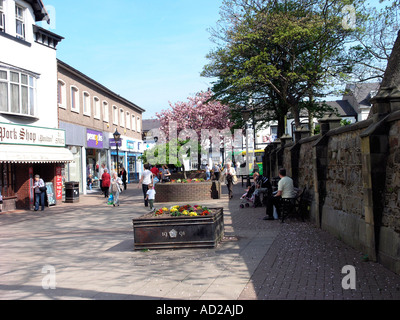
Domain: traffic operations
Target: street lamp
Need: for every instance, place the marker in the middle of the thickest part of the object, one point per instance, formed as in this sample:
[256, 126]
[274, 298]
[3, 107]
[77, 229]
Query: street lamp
[117, 137]
[246, 117]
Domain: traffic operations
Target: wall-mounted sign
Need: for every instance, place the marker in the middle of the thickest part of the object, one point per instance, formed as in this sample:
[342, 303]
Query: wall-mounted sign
[32, 136]
[113, 144]
[94, 139]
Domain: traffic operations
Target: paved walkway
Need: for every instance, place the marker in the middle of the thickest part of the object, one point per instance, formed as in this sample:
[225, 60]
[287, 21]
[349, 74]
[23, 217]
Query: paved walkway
[90, 247]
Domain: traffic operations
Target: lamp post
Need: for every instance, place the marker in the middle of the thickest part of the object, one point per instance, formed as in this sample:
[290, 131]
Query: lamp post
[246, 116]
[117, 137]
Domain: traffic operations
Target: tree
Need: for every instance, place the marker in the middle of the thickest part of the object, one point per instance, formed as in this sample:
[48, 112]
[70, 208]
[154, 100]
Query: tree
[281, 53]
[198, 113]
[373, 41]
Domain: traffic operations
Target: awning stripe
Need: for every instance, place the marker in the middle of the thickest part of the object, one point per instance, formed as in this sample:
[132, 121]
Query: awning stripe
[34, 154]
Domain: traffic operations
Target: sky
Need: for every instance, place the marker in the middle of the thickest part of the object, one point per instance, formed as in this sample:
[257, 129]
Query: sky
[150, 52]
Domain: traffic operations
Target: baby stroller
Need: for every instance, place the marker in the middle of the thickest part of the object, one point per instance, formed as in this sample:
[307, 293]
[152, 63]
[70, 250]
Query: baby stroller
[248, 198]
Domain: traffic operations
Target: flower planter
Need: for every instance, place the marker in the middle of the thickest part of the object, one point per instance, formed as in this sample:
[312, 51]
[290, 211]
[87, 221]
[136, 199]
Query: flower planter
[168, 232]
[187, 192]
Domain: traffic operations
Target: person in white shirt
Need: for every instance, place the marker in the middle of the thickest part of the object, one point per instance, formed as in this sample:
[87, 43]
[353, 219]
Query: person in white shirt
[151, 196]
[145, 181]
[230, 175]
[285, 191]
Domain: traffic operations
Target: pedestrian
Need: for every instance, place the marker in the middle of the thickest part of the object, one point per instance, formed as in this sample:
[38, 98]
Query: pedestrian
[106, 178]
[285, 191]
[101, 171]
[166, 174]
[116, 184]
[208, 173]
[145, 180]
[230, 178]
[123, 176]
[1, 202]
[217, 171]
[40, 190]
[151, 196]
[90, 182]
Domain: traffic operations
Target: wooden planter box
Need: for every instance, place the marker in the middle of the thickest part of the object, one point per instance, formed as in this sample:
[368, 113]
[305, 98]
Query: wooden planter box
[179, 232]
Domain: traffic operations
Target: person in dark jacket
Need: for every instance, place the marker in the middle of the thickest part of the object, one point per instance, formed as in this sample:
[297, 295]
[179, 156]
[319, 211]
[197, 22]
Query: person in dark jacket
[123, 176]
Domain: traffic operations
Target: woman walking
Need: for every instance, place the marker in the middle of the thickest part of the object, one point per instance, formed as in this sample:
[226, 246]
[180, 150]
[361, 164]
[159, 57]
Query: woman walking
[123, 176]
[230, 178]
[40, 190]
[145, 180]
[106, 178]
[116, 184]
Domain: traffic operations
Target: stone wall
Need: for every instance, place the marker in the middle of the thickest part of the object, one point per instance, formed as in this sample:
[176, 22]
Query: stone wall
[353, 176]
[391, 216]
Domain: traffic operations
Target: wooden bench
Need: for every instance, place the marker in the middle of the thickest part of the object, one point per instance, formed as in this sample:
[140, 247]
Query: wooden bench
[298, 206]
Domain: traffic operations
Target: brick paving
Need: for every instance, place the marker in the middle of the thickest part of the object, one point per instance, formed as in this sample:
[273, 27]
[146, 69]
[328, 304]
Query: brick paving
[91, 247]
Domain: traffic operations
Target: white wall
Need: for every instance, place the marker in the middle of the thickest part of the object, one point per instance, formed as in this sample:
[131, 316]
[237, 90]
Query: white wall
[37, 59]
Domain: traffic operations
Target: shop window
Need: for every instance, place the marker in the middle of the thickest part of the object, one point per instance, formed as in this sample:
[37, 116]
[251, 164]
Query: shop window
[7, 180]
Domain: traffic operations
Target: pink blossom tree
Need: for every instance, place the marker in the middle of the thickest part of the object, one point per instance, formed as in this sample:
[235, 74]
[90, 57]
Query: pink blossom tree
[196, 114]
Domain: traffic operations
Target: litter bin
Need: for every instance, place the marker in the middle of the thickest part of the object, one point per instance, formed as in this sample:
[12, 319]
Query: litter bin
[71, 192]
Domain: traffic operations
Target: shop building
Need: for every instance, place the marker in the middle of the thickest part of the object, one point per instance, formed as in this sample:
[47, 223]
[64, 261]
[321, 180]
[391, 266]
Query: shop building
[90, 113]
[30, 140]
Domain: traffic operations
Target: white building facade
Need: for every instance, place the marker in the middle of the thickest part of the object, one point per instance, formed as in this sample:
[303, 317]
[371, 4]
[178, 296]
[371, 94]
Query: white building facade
[31, 142]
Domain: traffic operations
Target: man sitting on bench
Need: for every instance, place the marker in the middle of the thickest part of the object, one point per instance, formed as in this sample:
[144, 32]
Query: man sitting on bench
[285, 191]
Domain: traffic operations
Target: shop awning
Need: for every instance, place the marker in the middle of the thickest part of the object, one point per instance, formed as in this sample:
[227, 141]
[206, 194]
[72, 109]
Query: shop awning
[34, 154]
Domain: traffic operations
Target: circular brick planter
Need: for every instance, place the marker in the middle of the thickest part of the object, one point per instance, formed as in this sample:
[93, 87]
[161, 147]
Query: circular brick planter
[187, 192]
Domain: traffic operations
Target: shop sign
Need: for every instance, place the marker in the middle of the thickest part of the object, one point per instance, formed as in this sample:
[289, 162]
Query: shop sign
[31, 136]
[113, 144]
[59, 183]
[94, 139]
[130, 145]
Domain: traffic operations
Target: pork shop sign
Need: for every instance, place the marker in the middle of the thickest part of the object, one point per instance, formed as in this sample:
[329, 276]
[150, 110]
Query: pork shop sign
[31, 136]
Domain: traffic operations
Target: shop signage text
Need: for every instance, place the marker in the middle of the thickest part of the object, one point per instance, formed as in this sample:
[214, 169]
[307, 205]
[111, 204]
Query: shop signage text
[34, 136]
[94, 139]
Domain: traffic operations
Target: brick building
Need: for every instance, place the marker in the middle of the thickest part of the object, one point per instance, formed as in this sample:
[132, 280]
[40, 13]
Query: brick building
[90, 113]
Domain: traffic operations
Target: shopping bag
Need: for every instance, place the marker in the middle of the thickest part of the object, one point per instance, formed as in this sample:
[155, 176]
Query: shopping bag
[110, 200]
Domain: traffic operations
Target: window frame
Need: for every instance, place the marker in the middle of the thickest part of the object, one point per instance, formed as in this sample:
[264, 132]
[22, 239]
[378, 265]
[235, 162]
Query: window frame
[106, 112]
[96, 108]
[2, 17]
[61, 93]
[30, 88]
[138, 125]
[75, 99]
[86, 99]
[115, 115]
[133, 123]
[121, 118]
[21, 20]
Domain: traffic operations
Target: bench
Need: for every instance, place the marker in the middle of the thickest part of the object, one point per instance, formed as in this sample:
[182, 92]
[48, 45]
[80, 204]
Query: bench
[298, 206]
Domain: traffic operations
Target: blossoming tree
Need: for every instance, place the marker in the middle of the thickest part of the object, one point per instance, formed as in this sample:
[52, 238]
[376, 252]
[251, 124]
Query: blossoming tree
[190, 118]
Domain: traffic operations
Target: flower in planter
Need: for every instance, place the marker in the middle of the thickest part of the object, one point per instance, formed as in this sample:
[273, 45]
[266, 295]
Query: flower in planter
[165, 210]
[179, 181]
[185, 213]
[159, 212]
[193, 214]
